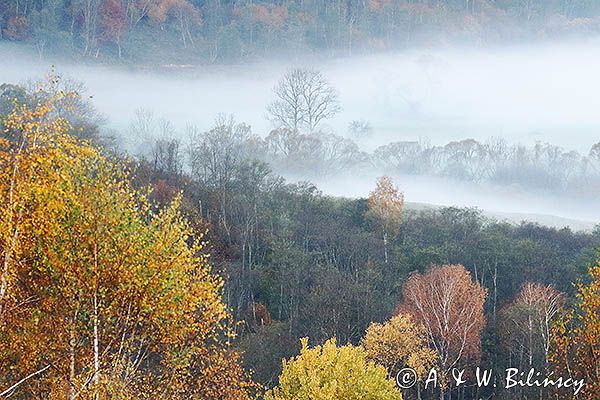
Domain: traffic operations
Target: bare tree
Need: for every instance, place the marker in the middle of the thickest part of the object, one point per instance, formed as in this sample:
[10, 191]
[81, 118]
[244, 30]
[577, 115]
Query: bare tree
[360, 129]
[155, 141]
[595, 152]
[216, 155]
[166, 156]
[528, 320]
[304, 98]
[403, 156]
[142, 126]
[87, 11]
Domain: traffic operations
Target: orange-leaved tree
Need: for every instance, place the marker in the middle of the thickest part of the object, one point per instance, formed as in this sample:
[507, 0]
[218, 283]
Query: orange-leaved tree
[449, 305]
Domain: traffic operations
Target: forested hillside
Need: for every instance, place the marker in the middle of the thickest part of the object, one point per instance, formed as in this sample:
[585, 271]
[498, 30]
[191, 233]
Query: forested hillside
[218, 31]
[110, 289]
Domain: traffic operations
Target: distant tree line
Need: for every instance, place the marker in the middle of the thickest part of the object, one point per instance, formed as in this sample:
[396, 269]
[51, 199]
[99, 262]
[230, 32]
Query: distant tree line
[541, 168]
[301, 146]
[214, 31]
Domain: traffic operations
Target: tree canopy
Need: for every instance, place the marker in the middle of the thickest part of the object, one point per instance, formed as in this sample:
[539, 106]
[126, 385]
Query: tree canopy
[332, 372]
[102, 295]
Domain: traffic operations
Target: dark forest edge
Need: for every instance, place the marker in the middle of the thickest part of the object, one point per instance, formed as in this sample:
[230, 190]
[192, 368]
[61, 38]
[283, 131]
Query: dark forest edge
[294, 264]
[178, 32]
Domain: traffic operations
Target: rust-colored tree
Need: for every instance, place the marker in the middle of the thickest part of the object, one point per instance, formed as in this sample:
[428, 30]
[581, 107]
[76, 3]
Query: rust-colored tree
[113, 22]
[184, 13]
[449, 305]
[16, 28]
[257, 315]
[386, 203]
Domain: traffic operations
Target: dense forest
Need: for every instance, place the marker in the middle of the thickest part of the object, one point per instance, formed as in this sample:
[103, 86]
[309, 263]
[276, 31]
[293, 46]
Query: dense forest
[138, 277]
[218, 31]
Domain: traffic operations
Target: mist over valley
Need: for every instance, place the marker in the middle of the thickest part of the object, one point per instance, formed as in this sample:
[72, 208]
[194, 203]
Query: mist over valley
[524, 94]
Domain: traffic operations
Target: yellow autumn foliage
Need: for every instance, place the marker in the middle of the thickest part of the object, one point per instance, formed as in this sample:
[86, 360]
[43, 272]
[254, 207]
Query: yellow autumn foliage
[575, 350]
[101, 295]
[399, 343]
[332, 372]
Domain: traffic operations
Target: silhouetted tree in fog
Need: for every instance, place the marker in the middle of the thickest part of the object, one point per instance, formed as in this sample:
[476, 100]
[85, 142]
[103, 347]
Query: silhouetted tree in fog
[304, 98]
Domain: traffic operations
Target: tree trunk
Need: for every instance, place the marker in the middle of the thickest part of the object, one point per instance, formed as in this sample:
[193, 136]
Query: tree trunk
[495, 280]
[72, 360]
[385, 249]
[96, 323]
[96, 349]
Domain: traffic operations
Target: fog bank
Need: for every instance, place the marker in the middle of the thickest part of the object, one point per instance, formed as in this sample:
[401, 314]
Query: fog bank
[543, 92]
[502, 203]
[546, 92]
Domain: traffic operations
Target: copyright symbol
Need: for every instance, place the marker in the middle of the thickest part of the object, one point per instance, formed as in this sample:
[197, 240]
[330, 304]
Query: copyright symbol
[406, 378]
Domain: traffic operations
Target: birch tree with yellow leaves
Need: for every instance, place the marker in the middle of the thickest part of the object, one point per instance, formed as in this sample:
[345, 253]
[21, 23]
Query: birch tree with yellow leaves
[386, 203]
[575, 350]
[398, 343]
[101, 294]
